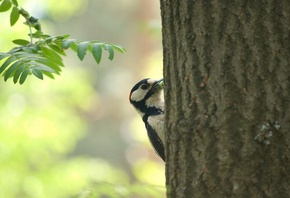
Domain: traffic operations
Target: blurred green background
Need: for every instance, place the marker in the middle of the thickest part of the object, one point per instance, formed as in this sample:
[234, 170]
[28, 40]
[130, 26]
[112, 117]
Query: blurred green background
[77, 135]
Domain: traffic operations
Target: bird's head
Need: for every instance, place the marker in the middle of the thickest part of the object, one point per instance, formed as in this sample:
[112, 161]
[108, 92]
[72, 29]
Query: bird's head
[147, 94]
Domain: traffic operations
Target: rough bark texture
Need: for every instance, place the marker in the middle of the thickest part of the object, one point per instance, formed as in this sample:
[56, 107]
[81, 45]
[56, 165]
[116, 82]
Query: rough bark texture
[227, 96]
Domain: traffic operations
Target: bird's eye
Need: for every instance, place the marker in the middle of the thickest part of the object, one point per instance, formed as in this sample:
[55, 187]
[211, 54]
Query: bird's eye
[144, 86]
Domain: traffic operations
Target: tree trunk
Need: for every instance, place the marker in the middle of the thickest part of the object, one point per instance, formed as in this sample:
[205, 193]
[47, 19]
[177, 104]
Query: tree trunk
[227, 97]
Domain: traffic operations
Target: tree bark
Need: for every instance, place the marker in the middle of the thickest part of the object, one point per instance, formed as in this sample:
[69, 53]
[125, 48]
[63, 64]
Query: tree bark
[227, 98]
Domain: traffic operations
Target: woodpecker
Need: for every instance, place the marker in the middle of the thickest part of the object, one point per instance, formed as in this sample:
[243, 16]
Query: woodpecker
[146, 98]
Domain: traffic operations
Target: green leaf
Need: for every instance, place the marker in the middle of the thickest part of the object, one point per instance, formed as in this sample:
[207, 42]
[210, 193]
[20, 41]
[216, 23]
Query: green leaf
[57, 49]
[15, 49]
[26, 56]
[24, 75]
[119, 48]
[66, 36]
[74, 46]
[37, 73]
[82, 49]
[5, 5]
[56, 39]
[14, 16]
[3, 55]
[54, 66]
[20, 42]
[39, 34]
[61, 37]
[97, 52]
[42, 67]
[56, 61]
[48, 39]
[6, 63]
[52, 55]
[9, 72]
[66, 44]
[23, 55]
[18, 72]
[111, 51]
[31, 49]
[14, 2]
[48, 74]
[44, 63]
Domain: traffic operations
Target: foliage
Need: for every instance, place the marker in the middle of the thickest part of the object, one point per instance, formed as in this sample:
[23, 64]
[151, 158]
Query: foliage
[43, 132]
[43, 56]
[38, 133]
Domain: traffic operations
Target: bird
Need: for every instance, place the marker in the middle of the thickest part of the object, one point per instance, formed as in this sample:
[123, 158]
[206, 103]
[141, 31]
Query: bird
[147, 99]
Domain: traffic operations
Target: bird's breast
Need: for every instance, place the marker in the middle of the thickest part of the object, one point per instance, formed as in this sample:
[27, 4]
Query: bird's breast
[157, 123]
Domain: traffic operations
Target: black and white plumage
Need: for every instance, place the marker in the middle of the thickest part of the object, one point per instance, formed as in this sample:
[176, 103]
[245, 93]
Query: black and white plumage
[146, 97]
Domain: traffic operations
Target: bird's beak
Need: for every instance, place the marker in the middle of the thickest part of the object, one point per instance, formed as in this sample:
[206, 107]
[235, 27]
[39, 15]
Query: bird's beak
[159, 84]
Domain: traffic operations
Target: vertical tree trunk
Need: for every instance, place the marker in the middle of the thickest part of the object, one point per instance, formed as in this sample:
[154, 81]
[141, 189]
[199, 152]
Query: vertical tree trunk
[227, 96]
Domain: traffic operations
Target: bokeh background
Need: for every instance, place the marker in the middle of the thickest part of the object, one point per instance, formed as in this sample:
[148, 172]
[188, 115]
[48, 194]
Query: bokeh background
[77, 135]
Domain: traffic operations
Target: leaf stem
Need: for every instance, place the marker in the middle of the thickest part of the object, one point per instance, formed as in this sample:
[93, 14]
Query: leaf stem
[30, 34]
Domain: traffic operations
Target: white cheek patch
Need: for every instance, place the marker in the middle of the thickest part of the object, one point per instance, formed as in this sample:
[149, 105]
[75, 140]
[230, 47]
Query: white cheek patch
[138, 95]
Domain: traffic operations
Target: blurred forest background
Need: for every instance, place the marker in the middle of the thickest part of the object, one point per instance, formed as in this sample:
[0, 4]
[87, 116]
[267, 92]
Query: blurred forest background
[77, 135]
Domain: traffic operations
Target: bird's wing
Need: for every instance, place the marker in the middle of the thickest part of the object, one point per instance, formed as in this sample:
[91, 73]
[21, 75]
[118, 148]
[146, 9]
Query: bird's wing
[155, 141]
